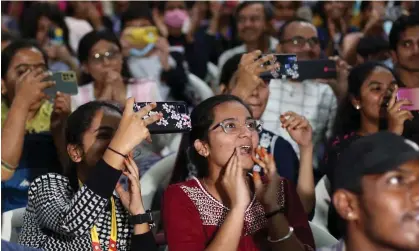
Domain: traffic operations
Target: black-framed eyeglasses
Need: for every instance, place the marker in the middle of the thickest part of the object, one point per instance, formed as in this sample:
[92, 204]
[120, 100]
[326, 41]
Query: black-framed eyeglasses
[110, 55]
[233, 126]
[301, 41]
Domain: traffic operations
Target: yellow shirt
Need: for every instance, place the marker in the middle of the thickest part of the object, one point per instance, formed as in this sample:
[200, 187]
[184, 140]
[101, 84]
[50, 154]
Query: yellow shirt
[39, 123]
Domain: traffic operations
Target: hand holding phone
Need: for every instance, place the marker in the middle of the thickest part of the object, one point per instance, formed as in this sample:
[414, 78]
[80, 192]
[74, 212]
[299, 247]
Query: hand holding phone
[410, 94]
[175, 117]
[31, 85]
[396, 116]
[65, 82]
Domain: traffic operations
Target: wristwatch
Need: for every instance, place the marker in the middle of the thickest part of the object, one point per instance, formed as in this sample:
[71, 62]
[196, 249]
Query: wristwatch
[142, 218]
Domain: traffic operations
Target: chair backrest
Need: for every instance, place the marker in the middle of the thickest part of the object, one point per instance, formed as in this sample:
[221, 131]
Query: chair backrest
[11, 222]
[199, 87]
[322, 238]
[323, 201]
[156, 176]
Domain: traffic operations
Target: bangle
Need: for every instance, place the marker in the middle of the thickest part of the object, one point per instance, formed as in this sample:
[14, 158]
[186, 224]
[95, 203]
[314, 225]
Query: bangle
[7, 166]
[115, 151]
[291, 230]
[269, 215]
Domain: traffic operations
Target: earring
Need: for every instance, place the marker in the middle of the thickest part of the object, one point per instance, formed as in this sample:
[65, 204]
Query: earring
[357, 107]
[350, 215]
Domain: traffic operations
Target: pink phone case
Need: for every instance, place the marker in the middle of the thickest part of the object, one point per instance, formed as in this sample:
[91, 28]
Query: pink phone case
[411, 94]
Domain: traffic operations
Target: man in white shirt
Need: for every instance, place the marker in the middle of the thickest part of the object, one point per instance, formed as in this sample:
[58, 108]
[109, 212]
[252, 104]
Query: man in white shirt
[252, 25]
[314, 100]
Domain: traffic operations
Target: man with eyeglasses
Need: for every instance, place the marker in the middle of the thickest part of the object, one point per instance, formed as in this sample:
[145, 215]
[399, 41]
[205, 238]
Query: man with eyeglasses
[314, 100]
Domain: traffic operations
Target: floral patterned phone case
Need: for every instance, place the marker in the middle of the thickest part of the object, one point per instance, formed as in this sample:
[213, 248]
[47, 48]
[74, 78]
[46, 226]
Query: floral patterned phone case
[175, 117]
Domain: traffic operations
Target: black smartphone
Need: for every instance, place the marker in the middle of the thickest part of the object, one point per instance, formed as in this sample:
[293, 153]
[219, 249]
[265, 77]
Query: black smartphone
[288, 67]
[316, 69]
[65, 82]
[175, 117]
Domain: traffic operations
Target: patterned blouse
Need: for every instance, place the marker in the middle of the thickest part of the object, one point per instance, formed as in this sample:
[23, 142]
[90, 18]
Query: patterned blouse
[58, 218]
[192, 218]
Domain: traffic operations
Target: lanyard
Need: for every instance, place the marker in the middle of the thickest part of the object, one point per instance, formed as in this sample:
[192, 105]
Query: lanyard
[114, 231]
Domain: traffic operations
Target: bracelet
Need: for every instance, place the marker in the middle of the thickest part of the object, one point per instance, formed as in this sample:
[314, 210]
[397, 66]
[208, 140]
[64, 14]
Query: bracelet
[7, 166]
[269, 215]
[291, 230]
[115, 151]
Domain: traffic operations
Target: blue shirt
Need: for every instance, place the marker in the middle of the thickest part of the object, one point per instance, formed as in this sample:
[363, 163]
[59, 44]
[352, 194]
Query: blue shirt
[286, 159]
[39, 157]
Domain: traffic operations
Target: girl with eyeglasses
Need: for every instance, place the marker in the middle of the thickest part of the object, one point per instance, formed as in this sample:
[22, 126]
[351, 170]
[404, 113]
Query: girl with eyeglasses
[224, 208]
[106, 77]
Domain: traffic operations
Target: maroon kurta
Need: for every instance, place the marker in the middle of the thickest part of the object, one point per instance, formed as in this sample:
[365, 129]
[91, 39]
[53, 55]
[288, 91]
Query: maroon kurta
[192, 217]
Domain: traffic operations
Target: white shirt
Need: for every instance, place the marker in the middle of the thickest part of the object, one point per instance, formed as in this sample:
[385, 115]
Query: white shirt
[315, 101]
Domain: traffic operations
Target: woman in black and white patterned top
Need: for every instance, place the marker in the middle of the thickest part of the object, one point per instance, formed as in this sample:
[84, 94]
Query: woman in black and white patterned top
[79, 211]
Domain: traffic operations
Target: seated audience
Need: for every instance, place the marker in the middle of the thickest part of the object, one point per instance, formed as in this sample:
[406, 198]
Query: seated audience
[223, 208]
[78, 211]
[108, 78]
[376, 194]
[314, 100]
[106, 75]
[287, 162]
[363, 113]
[45, 23]
[32, 127]
[150, 57]
[404, 39]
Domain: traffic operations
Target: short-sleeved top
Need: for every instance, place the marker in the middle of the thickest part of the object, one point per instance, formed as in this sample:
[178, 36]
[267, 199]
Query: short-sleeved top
[286, 160]
[143, 90]
[192, 218]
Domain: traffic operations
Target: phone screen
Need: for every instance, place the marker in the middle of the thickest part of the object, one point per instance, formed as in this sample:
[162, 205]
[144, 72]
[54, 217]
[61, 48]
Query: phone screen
[411, 94]
[288, 67]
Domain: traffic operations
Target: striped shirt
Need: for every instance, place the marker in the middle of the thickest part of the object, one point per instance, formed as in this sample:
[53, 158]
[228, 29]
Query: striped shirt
[313, 100]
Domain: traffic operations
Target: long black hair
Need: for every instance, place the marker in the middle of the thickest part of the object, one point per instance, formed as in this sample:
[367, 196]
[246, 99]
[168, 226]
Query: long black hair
[202, 118]
[31, 16]
[86, 44]
[77, 124]
[348, 119]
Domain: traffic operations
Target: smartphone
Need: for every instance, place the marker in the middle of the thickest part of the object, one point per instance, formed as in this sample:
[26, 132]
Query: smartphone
[411, 94]
[288, 67]
[175, 117]
[65, 82]
[316, 69]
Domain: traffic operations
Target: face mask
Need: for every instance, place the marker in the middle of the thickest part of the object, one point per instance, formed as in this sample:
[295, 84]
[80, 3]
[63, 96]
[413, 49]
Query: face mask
[141, 52]
[175, 18]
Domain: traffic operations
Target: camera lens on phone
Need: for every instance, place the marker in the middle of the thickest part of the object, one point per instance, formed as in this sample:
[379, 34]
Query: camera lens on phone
[181, 109]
